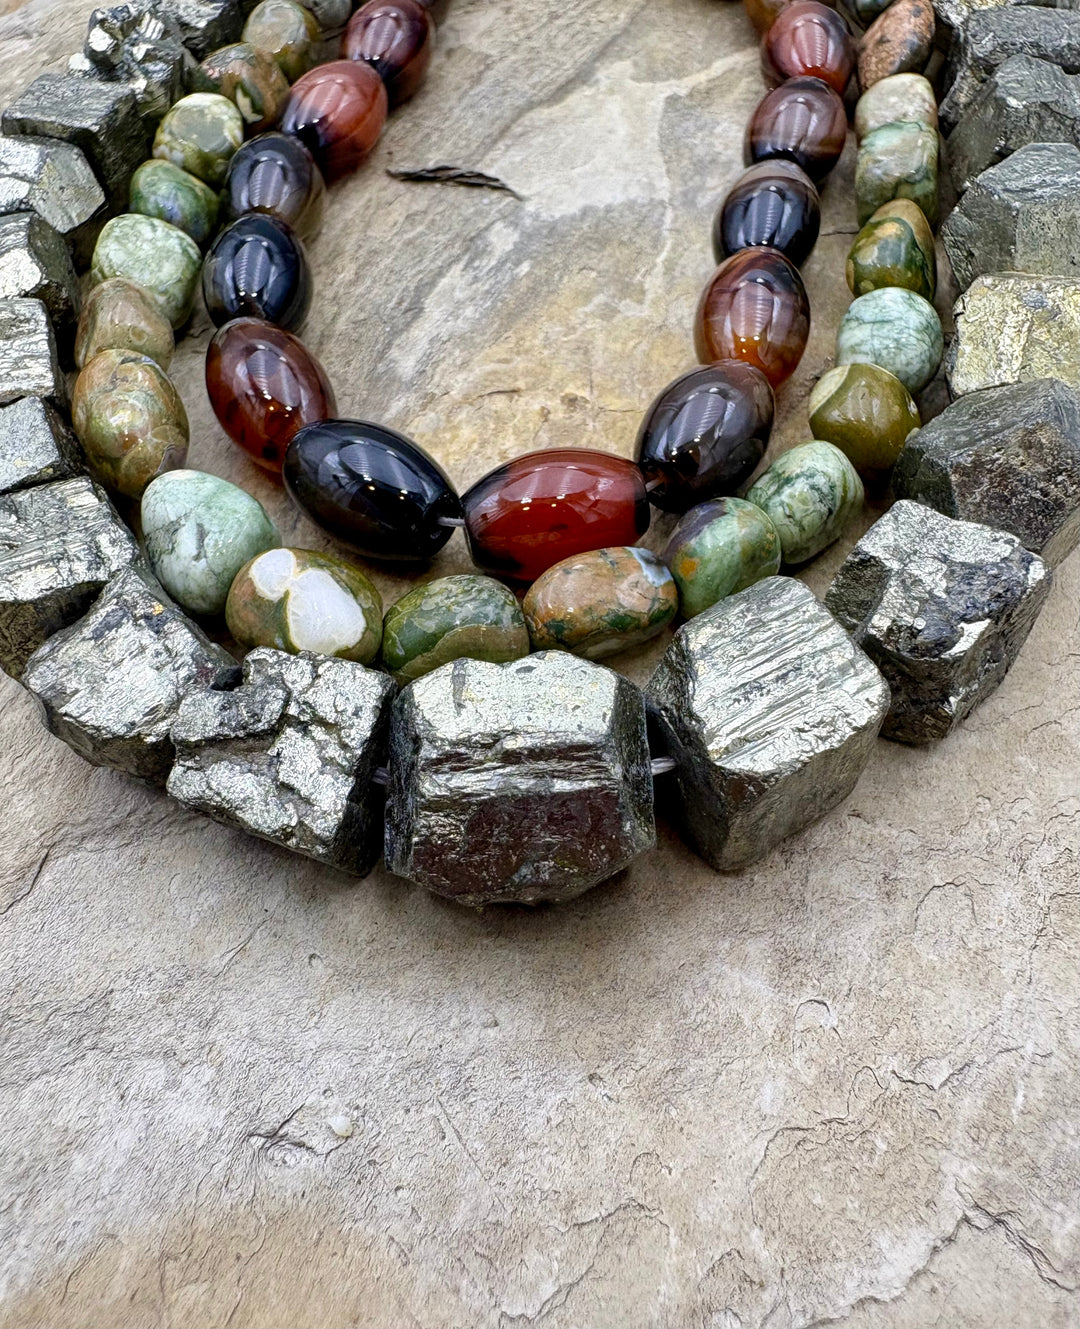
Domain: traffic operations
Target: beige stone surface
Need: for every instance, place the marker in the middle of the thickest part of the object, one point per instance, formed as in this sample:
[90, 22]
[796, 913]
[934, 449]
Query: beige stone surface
[838, 1088]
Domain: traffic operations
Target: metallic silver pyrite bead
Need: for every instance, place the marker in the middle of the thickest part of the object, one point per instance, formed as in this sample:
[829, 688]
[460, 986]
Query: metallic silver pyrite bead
[54, 180]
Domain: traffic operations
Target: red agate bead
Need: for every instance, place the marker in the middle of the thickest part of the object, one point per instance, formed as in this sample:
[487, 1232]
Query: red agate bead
[808, 38]
[395, 37]
[337, 111]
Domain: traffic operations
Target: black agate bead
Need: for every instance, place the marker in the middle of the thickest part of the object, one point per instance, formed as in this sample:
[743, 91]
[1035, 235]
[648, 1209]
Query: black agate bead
[772, 203]
[257, 268]
[274, 173]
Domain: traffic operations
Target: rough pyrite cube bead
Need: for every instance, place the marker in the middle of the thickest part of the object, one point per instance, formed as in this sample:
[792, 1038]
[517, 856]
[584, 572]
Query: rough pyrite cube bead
[34, 261]
[35, 445]
[770, 713]
[289, 756]
[942, 607]
[133, 43]
[54, 180]
[518, 782]
[110, 685]
[28, 363]
[1011, 328]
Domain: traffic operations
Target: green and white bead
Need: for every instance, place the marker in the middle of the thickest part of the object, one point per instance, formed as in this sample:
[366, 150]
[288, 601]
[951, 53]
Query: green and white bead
[199, 531]
[718, 548]
[250, 78]
[200, 133]
[810, 494]
[118, 315]
[898, 160]
[903, 97]
[154, 255]
[300, 600]
[453, 618]
[896, 329]
[894, 248]
[160, 189]
[286, 31]
[866, 412]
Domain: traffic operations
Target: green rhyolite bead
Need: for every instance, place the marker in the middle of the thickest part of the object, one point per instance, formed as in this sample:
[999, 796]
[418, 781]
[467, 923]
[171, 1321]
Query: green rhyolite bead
[893, 328]
[129, 419]
[908, 97]
[866, 411]
[899, 160]
[117, 315]
[248, 77]
[453, 618]
[154, 255]
[810, 494]
[598, 603]
[718, 548]
[894, 248]
[199, 531]
[199, 134]
[286, 31]
[160, 189]
[299, 600]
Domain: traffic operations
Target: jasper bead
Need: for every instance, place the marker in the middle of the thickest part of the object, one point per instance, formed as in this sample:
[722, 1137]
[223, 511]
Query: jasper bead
[899, 40]
[755, 309]
[808, 39]
[117, 315]
[337, 111]
[299, 600]
[264, 385]
[154, 255]
[372, 488]
[718, 548]
[199, 134]
[257, 268]
[250, 78]
[396, 38]
[894, 248]
[198, 532]
[160, 189]
[908, 97]
[602, 602]
[897, 161]
[704, 434]
[129, 419]
[810, 493]
[896, 329]
[773, 203]
[275, 174]
[286, 31]
[802, 121]
[452, 618]
[866, 412]
[542, 507]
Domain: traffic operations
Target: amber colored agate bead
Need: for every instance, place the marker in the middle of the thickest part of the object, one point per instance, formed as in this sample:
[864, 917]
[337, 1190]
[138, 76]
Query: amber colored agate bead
[337, 111]
[754, 309]
[802, 121]
[538, 509]
[264, 385]
[395, 37]
[764, 13]
[809, 39]
[772, 203]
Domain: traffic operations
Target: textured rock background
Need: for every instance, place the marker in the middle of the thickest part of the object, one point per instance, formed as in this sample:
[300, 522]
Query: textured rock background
[840, 1087]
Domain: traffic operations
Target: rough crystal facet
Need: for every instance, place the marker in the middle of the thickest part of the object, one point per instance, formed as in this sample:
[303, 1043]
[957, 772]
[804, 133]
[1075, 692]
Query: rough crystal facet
[54, 180]
[28, 363]
[35, 445]
[34, 261]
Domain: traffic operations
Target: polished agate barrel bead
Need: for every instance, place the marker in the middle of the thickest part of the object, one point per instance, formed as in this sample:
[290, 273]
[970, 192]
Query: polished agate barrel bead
[894, 248]
[802, 121]
[808, 39]
[396, 38]
[160, 189]
[372, 488]
[811, 494]
[118, 315]
[897, 161]
[526, 516]
[704, 434]
[754, 309]
[257, 268]
[264, 385]
[773, 203]
[718, 548]
[286, 31]
[250, 78]
[866, 412]
[277, 175]
[337, 111]
[200, 133]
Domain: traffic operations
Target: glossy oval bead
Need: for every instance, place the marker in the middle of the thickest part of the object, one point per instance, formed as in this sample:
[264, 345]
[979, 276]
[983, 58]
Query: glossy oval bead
[257, 268]
[453, 618]
[808, 39]
[542, 507]
[718, 548]
[754, 309]
[264, 385]
[602, 602]
[250, 78]
[811, 494]
[704, 434]
[200, 133]
[772, 203]
[896, 329]
[337, 111]
[300, 600]
[907, 97]
[154, 255]
[897, 161]
[395, 37]
[118, 315]
[275, 174]
[160, 189]
[894, 248]
[129, 419]
[866, 412]
[286, 31]
[372, 488]
[802, 121]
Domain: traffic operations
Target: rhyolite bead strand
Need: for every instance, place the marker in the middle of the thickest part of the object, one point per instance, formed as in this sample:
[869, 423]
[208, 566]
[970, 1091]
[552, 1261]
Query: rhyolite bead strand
[286, 31]
[866, 412]
[802, 121]
[200, 133]
[772, 203]
[160, 189]
[896, 329]
[275, 174]
[250, 78]
[894, 248]
[718, 548]
[899, 160]
[755, 309]
[154, 255]
[810, 493]
[118, 315]
[396, 38]
[257, 268]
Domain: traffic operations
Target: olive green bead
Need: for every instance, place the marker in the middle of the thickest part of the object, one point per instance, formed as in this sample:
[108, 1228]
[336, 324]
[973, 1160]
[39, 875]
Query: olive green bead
[866, 412]
[908, 97]
[199, 134]
[248, 77]
[286, 31]
[153, 254]
[718, 548]
[453, 618]
[898, 160]
[810, 493]
[160, 189]
[894, 248]
[117, 315]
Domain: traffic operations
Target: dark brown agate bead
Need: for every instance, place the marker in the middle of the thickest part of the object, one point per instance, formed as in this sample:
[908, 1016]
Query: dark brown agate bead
[276, 174]
[754, 309]
[764, 13]
[337, 111]
[704, 434]
[772, 203]
[540, 508]
[264, 385]
[257, 268]
[809, 39]
[395, 37]
[802, 121]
